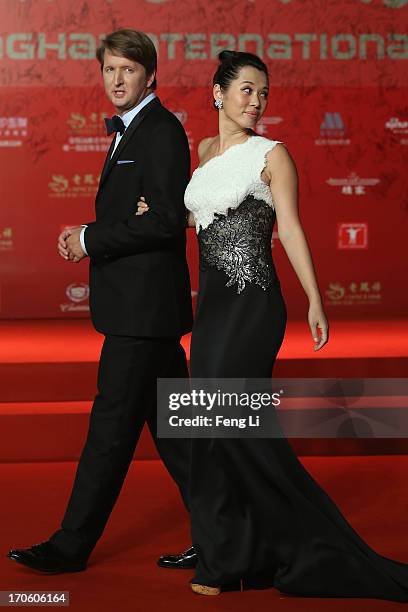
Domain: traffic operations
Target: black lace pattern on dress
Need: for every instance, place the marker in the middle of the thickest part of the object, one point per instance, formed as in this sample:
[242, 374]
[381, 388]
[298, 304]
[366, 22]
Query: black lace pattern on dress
[239, 243]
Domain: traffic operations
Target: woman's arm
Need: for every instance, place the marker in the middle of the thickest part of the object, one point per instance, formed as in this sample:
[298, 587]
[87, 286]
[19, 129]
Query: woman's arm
[281, 174]
[143, 207]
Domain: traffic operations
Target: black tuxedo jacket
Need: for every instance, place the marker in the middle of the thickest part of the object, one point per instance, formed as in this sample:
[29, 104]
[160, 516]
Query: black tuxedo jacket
[139, 280]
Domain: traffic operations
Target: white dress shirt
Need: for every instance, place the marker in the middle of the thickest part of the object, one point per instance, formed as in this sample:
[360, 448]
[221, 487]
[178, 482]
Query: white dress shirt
[126, 118]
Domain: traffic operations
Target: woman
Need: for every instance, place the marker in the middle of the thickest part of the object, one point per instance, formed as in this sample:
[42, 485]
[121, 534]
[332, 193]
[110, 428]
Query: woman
[258, 517]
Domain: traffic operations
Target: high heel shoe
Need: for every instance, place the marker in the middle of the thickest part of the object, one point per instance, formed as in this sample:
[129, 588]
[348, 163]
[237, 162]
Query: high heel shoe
[202, 589]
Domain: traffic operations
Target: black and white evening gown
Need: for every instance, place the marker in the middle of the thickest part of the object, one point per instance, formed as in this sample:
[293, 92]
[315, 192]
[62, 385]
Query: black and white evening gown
[256, 512]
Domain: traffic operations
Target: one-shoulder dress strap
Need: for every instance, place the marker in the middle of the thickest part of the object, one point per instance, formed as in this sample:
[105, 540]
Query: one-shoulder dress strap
[260, 150]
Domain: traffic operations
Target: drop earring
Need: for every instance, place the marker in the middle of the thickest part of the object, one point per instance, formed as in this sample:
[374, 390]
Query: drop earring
[218, 104]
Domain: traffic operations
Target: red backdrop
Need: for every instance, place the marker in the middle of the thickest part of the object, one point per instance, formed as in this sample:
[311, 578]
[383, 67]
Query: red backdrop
[338, 97]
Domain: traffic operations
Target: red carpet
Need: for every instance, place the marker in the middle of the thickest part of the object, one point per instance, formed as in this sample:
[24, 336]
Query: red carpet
[149, 519]
[48, 374]
[47, 379]
[54, 360]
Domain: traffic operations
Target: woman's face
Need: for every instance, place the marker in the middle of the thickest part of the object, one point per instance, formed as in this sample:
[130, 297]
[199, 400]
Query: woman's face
[245, 100]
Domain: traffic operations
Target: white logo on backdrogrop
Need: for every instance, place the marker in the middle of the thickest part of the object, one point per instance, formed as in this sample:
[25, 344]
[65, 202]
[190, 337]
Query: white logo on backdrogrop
[263, 124]
[397, 126]
[352, 235]
[353, 184]
[77, 292]
[13, 131]
[332, 130]
[6, 239]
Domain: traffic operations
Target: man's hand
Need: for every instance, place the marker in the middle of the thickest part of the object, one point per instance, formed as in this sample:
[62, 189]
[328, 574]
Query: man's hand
[62, 244]
[75, 252]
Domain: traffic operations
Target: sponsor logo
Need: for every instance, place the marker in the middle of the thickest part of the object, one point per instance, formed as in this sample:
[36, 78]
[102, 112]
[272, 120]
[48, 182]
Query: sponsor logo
[86, 144]
[86, 133]
[13, 131]
[353, 184]
[6, 239]
[352, 235]
[87, 124]
[262, 127]
[356, 292]
[76, 293]
[78, 186]
[398, 128]
[332, 130]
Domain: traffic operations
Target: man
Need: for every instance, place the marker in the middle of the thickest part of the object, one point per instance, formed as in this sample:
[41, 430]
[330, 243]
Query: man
[140, 298]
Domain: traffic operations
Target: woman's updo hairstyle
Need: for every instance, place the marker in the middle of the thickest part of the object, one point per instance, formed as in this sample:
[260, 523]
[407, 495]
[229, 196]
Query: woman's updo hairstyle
[231, 63]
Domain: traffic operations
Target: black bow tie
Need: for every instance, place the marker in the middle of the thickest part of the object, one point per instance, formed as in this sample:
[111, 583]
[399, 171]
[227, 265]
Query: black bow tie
[114, 125]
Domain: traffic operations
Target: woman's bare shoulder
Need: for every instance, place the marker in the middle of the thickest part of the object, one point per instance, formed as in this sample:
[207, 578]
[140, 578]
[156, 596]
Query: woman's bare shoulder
[279, 157]
[279, 163]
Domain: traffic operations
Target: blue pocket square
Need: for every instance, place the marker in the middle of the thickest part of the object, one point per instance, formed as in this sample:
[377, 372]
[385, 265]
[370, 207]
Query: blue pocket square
[125, 161]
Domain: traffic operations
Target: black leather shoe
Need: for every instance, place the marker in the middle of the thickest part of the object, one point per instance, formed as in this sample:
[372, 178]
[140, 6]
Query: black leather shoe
[45, 557]
[184, 560]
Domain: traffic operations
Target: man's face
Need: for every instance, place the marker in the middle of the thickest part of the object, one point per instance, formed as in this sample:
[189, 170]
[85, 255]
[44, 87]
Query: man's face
[125, 81]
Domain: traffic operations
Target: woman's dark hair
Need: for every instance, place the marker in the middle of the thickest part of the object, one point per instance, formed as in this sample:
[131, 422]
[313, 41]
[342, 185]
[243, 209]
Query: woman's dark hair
[231, 63]
[134, 45]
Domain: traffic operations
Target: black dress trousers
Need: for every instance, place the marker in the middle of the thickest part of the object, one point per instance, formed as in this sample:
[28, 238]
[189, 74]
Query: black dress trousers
[126, 399]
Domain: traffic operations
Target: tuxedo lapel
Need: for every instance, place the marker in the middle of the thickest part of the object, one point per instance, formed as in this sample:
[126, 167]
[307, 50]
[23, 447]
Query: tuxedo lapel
[107, 159]
[130, 130]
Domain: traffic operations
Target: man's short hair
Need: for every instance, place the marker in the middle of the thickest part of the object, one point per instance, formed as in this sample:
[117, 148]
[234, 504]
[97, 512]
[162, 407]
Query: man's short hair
[134, 45]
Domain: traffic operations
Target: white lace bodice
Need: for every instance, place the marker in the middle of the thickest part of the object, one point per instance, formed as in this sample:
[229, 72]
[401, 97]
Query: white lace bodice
[227, 179]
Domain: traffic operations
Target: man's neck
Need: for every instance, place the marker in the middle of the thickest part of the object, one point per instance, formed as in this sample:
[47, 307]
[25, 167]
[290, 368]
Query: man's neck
[127, 110]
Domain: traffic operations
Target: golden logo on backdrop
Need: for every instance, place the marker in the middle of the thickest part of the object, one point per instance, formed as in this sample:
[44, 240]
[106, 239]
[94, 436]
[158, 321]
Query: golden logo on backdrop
[6, 239]
[355, 293]
[77, 186]
[87, 124]
[76, 122]
[86, 133]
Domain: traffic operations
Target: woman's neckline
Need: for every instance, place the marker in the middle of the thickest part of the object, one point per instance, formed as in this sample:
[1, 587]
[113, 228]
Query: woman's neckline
[238, 144]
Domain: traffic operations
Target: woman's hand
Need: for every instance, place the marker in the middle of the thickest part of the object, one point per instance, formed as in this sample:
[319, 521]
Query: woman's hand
[142, 206]
[317, 320]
